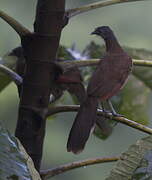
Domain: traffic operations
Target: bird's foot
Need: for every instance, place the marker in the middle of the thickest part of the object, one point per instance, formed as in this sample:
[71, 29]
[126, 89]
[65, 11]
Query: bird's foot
[117, 115]
[106, 111]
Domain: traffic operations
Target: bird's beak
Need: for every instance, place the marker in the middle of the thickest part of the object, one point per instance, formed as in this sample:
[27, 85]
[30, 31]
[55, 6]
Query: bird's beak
[92, 33]
[96, 32]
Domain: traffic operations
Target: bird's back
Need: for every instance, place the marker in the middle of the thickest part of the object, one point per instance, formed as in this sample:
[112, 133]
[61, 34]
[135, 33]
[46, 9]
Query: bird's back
[110, 75]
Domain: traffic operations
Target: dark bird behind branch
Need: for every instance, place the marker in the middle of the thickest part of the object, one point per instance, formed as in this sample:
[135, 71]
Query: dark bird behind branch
[107, 80]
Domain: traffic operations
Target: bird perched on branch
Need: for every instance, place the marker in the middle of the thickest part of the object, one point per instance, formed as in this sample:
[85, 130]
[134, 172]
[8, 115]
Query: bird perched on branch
[107, 80]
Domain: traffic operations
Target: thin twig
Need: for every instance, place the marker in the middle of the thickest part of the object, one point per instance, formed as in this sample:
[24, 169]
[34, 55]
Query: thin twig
[123, 120]
[94, 62]
[66, 167]
[13, 75]
[70, 64]
[138, 62]
[20, 29]
[85, 8]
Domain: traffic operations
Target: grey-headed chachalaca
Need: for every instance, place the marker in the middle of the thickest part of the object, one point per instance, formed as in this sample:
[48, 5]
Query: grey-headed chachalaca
[107, 80]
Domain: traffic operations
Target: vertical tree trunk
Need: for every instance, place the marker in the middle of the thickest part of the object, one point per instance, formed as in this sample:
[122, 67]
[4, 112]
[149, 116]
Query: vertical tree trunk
[40, 50]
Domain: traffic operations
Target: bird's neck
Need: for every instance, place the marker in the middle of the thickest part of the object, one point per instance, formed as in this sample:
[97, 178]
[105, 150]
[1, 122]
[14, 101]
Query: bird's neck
[112, 45]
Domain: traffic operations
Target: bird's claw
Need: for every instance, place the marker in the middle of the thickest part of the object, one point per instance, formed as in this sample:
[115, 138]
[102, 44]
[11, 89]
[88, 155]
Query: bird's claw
[117, 115]
[106, 111]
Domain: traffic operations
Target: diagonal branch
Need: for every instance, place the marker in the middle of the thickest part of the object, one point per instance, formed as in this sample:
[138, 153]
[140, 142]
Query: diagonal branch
[13, 75]
[20, 29]
[77, 164]
[94, 62]
[76, 11]
[123, 120]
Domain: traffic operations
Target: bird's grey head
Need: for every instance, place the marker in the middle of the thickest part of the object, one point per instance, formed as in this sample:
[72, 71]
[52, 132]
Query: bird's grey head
[103, 31]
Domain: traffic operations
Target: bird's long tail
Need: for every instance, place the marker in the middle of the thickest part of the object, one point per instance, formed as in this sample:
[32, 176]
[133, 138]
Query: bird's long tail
[83, 124]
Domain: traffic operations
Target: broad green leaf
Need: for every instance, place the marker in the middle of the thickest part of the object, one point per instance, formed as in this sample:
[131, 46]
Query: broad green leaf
[133, 101]
[15, 164]
[138, 89]
[62, 53]
[144, 170]
[135, 163]
[94, 50]
[144, 74]
[106, 130]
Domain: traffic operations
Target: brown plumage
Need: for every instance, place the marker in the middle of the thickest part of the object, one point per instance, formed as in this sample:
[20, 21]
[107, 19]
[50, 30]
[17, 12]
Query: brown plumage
[107, 80]
[72, 81]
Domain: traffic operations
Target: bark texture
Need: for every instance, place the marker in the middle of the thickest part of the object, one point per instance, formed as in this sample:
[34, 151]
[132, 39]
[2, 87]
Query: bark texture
[40, 50]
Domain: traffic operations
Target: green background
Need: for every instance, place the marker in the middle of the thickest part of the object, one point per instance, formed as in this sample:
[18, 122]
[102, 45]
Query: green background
[132, 24]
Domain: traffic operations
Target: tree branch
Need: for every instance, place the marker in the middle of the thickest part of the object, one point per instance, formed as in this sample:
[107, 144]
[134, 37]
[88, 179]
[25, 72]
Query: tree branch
[138, 62]
[76, 11]
[40, 48]
[20, 29]
[123, 120]
[70, 64]
[77, 164]
[94, 62]
[14, 76]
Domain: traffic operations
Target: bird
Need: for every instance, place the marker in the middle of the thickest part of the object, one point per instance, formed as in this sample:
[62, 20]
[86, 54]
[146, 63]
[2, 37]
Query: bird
[71, 81]
[106, 81]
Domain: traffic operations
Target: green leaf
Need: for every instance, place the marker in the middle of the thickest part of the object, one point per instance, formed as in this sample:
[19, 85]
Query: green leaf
[138, 89]
[105, 132]
[135, 163]
[94, 50]
[63, 53]
[133, 98]
[144, 170]
[15, 164]
[144, 74]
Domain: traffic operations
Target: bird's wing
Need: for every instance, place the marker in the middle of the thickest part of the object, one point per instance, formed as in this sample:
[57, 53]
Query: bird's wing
[109, 76]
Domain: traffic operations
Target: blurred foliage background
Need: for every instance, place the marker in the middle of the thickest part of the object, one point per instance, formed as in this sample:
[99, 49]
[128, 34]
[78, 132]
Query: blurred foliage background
[132, 24]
